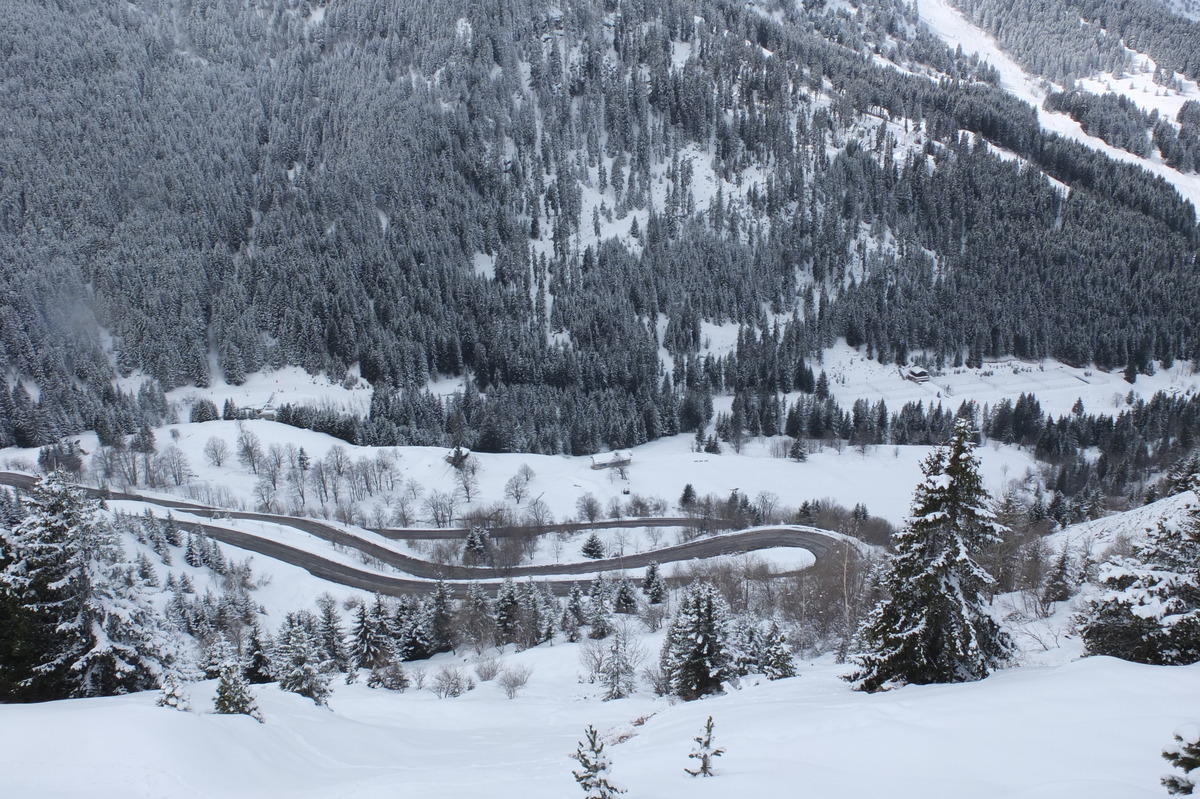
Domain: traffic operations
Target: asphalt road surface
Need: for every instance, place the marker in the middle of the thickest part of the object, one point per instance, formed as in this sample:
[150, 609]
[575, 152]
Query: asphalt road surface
[419, 573]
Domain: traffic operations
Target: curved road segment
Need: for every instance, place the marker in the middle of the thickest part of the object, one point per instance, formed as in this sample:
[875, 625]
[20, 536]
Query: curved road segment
[422, 572]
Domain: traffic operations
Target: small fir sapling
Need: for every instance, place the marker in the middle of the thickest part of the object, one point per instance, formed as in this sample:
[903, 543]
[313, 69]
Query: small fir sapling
[592, 775]
[1185, 757]
[593, 547]
[172, 694]
[233, 694]
[705, 752]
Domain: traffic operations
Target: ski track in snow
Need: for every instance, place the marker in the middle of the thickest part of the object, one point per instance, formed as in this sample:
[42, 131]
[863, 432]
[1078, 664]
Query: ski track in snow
[949, 24]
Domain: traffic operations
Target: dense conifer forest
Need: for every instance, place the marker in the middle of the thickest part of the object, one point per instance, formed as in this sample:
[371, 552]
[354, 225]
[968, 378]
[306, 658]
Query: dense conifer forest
[194, 190]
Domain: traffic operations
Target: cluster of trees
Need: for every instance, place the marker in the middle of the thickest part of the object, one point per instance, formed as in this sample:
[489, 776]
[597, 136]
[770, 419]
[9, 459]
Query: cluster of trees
[1149, 608]
[1112, 117]
[213, 197]
[1180, 147]
[76, 615]
[1049, 39]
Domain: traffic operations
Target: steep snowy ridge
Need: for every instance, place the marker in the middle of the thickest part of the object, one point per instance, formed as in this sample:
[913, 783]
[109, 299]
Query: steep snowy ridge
[949, 23]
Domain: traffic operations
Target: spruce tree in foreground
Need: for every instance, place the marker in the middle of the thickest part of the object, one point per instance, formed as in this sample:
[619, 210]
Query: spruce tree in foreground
[696, 656]
[300, 663]
[172, 694]
[78, 618]
[233, 694]
[592, 775]
[1185, 757]
[933, 627]
[705, 752]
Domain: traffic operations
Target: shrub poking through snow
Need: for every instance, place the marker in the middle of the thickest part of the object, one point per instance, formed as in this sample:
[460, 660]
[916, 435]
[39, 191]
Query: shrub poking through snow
[1185, 757]
[592, 775]
[172, 694]
[705, 753]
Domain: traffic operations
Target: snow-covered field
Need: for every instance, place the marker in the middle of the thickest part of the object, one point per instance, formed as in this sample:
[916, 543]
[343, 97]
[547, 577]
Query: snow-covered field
[1092, 728]
[1057, 386]
[882, 478]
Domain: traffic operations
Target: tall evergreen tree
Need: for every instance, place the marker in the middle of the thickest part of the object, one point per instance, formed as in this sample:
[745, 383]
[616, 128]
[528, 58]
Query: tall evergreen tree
[933, 626]
[696, 656]
[329, 633]
[87, 626]
[299, 663]
[368, 641]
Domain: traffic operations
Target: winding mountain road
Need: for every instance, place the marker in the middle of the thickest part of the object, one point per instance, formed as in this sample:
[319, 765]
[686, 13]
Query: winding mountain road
[421, 572]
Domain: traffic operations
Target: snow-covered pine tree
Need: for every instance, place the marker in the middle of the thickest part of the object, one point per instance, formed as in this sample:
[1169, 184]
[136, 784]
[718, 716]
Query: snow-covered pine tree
[477, 547]
[233, 694]
[258, 666]
[390, 676]
[774, 655]
[1059, 583]
[653, 585]
[1150, 612]
[625, 597]
[218, 652]
[592, 774]
[599, 617]
[475, 623]
[695, 657]
[618, 669]
[299, 661]
[440, 611]
[705, 752]
[593, 547]
[368, 643]
[192, 552]
[85, 624]
[172, 694]
[933, 626]
[576, 607]
[508, 613]
[1185, 757]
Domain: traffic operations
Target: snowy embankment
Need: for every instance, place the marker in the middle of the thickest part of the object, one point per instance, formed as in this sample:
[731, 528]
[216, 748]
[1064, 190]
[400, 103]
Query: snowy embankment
[1091, 728]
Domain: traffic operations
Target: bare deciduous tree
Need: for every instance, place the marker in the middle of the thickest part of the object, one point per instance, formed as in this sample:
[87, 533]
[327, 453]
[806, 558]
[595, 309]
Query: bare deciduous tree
[513, 679]
[588, 507]
[216, 450]
[175, 463]
[249, 449]
[467, 476]
[440, 507]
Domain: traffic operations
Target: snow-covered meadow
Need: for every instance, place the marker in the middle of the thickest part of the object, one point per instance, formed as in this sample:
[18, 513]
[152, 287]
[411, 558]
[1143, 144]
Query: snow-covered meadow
[1072, 728]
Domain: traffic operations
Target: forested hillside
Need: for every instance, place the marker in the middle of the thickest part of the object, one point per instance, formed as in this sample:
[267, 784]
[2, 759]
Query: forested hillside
[539, 196]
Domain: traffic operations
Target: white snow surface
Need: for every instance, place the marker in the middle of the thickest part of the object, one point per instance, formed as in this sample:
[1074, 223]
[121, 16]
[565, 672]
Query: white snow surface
[853, 376]
[1089, 728]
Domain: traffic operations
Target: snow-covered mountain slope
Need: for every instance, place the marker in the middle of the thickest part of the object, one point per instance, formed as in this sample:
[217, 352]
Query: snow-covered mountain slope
[951, 26]
[1089, 728]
